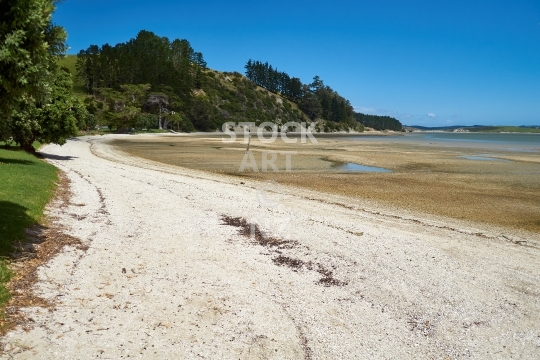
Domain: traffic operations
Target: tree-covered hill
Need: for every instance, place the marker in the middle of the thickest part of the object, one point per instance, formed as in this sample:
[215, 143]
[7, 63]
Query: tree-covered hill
[379, 122]
[316, 100]
[151, 81]
[231, 97]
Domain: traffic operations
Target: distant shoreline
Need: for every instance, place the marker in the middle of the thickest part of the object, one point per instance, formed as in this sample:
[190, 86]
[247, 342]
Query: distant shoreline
[473, 132]
[533, 129]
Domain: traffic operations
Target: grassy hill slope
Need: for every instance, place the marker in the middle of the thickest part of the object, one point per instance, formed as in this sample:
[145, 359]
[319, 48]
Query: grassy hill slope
[69, 62]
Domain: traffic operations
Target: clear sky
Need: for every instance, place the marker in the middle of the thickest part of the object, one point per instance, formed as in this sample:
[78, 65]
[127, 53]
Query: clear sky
[437, 62]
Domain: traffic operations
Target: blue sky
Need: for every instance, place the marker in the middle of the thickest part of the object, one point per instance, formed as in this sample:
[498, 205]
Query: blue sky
[423, 62]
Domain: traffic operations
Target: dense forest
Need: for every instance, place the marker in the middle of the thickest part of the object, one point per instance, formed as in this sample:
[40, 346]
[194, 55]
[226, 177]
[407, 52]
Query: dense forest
[146, 75]
[379, 122]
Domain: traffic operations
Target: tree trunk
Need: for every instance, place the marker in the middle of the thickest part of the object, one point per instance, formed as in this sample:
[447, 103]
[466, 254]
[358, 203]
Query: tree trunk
[28, 148]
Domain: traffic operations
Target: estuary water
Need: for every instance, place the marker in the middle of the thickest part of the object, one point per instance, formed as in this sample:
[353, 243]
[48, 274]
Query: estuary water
[495, 141]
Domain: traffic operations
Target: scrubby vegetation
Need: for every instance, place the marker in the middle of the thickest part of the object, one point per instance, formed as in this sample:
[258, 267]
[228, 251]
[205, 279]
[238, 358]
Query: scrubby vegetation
[232, 97]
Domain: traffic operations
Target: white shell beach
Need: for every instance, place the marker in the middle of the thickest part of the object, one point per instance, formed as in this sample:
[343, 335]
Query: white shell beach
[166, 277]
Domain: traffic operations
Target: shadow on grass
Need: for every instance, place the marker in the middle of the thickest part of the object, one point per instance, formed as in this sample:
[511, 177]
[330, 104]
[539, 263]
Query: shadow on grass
[13, 221]
[56, 157]
[15, 161]
[10, 147]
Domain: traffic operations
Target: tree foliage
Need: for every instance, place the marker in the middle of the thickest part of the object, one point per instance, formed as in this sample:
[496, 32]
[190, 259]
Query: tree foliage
[271, 79]
[35, 95]
[145, 121]
[148, 74]
[315, 99]
[379, 122]
[146, 59]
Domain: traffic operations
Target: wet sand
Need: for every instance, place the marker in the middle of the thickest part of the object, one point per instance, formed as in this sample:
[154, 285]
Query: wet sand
[428, 177]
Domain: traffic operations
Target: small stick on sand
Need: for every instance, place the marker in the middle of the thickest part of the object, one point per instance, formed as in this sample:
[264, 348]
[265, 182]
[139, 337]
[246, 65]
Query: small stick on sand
[249, 140]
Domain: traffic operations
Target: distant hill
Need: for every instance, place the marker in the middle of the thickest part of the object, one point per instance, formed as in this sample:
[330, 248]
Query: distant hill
[379, 122]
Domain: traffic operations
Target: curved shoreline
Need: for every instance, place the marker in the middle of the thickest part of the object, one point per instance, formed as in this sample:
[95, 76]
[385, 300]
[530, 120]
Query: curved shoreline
[163, 275]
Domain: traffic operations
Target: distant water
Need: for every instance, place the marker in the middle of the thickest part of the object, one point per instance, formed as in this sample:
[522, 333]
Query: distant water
[510, 142]
[497, 138]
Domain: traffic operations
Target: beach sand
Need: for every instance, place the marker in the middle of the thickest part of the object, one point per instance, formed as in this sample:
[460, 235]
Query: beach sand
[172, 272]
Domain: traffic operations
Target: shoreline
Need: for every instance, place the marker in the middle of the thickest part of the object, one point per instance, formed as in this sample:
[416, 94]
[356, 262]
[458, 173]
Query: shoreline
[116, 154]
[169, 273]
[427, 177]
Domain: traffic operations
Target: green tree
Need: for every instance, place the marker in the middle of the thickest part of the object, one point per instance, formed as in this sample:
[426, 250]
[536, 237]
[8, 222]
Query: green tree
[310, 105]
[35, 98]
[52, 120]
[29, 44]
[175, 119]
[161, 102]
[200, 114]
[135, 94]
[146, 121]
[122, 107]
[378, 122]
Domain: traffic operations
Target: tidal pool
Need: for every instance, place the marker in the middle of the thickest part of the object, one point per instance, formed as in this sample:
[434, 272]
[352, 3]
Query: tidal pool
[352, 167]
[483, 158]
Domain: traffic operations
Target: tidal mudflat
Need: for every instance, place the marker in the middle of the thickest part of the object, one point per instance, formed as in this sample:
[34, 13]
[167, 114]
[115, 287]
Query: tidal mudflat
[428, 173]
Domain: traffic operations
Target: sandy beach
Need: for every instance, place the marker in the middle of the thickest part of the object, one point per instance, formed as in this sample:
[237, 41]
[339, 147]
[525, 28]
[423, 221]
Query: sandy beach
[186, 263]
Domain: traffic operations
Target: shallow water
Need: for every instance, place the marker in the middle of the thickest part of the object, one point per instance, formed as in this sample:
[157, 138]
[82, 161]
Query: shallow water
[352, 167]
[484, 158]
[498, 141]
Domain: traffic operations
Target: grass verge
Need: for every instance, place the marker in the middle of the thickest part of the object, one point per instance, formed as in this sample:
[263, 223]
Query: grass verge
[27, 184]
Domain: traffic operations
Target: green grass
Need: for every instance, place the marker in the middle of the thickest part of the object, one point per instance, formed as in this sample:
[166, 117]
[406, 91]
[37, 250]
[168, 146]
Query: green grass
[69, 62]
[517, 129]
[27, 184]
